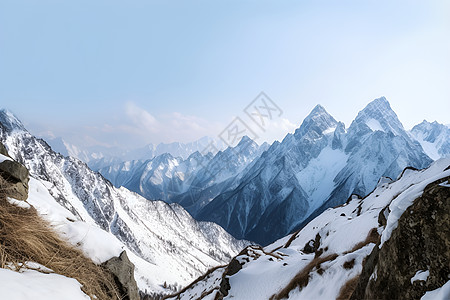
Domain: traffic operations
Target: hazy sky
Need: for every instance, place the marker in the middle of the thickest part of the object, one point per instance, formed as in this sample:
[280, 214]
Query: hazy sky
[132, 72]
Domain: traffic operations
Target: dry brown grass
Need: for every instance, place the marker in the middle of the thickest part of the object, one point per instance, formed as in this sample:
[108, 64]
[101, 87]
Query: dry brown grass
[372, 237]
[192, 284]
[25, 237]
[302, 278]
[292, 238]
[349, 264]
[347, 289]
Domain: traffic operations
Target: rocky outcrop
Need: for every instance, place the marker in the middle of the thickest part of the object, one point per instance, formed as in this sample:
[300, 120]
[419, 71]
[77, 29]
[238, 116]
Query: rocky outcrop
[15, 177]
[3, 150]
[123, 270]
[420, 244]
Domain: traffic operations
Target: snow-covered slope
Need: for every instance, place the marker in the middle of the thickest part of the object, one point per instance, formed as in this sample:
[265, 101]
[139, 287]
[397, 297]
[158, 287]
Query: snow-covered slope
[165, 242]
[317, 167]
[434, 138]
[326, 257]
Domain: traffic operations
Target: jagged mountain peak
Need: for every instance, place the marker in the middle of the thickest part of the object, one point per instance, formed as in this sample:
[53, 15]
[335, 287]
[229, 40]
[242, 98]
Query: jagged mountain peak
[379, 116]
[317, 112]
[318, 121]
[433, 137]
[427, 125]
[245, 142]
[10, 121]
[165, 157]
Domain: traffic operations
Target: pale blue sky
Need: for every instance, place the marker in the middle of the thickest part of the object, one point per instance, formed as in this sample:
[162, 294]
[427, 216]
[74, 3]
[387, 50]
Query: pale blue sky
[132, 72]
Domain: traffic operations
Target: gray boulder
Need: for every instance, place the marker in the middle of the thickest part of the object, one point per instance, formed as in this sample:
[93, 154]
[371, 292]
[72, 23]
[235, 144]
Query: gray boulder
[15, 177]
[123, 270]
[12, 170]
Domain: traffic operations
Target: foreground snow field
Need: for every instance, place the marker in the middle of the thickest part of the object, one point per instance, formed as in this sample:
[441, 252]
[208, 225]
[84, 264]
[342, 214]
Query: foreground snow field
[30, 284]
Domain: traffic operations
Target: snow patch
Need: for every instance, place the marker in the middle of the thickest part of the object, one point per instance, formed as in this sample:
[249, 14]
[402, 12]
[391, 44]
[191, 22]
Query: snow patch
[19, 203]
[374, 125]
[420, 276]
[317, 179]
[430, 149]
[442, 293]
[3, 158]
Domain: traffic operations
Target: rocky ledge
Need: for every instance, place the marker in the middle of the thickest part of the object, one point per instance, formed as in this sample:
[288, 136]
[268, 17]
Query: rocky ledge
[416, 258]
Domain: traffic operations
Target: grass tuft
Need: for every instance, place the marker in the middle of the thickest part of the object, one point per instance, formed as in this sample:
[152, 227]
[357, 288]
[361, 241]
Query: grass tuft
[26, 237]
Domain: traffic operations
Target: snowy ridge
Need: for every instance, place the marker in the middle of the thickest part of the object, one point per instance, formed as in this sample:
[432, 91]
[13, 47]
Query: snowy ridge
[164, 241]
[330, 249]
[433, 137]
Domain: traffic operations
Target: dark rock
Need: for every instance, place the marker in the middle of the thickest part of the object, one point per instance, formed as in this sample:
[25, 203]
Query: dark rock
[382, 216]
[233, 267]
[13, 170]
[368, 269]
[420, 242]
[123, 270]
[16, 179]
[3, 150]
[312, 246]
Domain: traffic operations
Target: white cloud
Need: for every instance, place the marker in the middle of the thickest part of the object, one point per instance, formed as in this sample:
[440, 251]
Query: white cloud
[178, 127]
[136, 127]
[144, 126]
[275, 129]
[142, 119]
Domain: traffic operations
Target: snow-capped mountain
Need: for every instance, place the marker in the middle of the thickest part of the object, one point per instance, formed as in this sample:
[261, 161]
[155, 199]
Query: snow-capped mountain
[434, 138]
[192, 182]
[317, 167]
[166, 243]
[388, 245]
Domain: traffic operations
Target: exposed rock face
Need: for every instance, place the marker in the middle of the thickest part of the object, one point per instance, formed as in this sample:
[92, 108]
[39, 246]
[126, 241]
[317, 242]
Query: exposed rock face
[16, 177]
[123, 270]
[13, 170]
[3, 150]
[421, 242]
[233, 267]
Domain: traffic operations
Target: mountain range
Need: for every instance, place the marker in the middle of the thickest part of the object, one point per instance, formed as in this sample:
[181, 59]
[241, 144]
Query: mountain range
[98, 157]
[262, 193]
